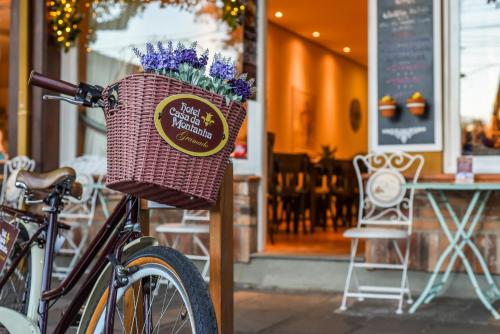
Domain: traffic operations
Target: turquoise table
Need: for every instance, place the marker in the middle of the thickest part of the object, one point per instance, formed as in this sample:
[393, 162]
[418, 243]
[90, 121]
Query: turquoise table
[461, 238]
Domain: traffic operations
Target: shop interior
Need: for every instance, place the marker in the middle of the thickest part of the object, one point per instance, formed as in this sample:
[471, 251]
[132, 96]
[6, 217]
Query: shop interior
[317, 91]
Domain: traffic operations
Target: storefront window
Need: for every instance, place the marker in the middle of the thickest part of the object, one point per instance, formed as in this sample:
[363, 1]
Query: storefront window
[115, 28]
[480, 76]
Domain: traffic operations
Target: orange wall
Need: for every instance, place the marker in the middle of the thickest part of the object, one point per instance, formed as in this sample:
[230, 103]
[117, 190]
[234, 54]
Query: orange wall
[333, 80]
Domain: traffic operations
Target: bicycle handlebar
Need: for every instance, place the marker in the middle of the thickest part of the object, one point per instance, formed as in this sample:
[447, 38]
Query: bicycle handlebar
[59, 86]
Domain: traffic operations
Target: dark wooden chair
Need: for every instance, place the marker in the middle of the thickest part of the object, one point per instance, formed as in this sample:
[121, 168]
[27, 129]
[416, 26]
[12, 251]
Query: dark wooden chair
[272, 191]
[322, 176]
[293, 187]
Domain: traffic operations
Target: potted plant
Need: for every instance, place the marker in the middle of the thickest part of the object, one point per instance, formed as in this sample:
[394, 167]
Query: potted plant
[416, 104]
[387, 106]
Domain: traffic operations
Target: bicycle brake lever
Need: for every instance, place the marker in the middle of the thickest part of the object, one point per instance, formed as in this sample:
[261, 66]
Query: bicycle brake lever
[63, 98]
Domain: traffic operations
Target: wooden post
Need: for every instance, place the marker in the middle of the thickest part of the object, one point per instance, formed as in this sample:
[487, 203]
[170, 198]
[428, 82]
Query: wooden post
[221, 255]
[221, 252]
[144, 216]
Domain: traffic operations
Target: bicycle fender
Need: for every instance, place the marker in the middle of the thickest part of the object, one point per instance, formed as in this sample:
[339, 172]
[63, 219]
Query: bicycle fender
[37, 259]
[128, 250]
[16, 322]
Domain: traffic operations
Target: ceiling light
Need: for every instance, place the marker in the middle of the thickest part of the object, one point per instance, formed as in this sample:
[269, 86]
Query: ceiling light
[346, 49]
[315, 34]
[278, 14]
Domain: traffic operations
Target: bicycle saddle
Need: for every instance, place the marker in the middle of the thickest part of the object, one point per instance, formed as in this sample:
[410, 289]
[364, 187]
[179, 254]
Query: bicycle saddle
[47, 181]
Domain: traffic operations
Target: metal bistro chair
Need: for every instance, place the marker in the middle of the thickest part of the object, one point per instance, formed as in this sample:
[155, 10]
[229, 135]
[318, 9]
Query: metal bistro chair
[79, 214]
[194, 223]
[10, 194]
[385, 212]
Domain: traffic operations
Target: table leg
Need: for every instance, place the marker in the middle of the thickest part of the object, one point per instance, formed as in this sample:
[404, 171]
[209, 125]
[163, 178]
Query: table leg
[429, 289]
[467, 241]
[460, 225]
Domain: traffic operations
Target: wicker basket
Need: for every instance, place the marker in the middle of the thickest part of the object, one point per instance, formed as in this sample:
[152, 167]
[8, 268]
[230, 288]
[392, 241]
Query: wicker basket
[142, 163]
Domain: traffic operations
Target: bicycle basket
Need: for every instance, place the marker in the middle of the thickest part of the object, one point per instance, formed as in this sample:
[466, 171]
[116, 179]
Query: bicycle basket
[159, 164]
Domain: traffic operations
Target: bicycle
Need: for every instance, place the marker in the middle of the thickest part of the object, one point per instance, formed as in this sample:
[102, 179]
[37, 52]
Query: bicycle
[122, 289]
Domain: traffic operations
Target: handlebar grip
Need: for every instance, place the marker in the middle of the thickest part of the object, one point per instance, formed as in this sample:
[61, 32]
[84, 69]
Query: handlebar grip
[58, 86]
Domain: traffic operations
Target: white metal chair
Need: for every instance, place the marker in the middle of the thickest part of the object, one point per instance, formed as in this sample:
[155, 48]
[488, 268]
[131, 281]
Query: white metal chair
[385, 212]
[194, 223]
[10, 194]
[79, 214]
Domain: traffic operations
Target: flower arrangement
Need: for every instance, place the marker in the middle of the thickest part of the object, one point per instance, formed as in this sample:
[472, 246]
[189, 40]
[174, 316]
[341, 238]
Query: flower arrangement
[416, 104]
[184, 64]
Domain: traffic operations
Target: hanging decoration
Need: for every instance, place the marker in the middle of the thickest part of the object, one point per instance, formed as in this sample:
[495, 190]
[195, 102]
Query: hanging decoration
[65, 15]
[64, 18]
[233, 12]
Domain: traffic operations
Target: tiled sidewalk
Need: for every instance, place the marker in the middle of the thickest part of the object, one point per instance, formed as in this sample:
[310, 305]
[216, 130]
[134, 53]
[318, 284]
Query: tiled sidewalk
[289, 312]
[314, 313]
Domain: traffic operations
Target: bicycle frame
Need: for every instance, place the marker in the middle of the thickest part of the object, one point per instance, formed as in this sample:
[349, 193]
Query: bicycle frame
[111, 239]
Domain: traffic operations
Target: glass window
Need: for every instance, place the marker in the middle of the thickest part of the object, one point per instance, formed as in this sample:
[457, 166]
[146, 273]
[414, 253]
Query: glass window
[480, 76]
[115, 28]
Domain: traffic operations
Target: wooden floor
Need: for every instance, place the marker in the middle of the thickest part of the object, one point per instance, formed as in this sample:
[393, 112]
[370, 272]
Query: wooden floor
[319, 243]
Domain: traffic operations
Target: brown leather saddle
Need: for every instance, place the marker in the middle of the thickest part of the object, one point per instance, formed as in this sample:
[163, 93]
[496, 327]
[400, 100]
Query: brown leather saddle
[46, 182]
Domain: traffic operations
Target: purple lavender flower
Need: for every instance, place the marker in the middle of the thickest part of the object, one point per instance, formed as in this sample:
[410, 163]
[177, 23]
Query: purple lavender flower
[188, 56]
[167, 58]
[203, 60]
[222, 68]
[150, 59]
[241, 87]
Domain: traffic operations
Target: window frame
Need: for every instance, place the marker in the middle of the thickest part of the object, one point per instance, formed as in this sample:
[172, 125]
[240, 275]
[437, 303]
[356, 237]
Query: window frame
[451, 92]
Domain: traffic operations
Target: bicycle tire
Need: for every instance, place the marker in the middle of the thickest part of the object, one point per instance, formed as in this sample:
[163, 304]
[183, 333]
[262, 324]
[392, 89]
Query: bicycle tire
[202, 314]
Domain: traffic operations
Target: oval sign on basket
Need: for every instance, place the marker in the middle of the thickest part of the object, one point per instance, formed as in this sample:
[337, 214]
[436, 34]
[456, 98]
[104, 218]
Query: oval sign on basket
[191, 125]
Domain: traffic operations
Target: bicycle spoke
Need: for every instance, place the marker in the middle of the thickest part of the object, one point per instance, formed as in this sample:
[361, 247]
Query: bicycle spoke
[183, 323]
[121, 318]
[149, 316]
[163, 312]
[176, 320]
[136, 300]
[163, 303]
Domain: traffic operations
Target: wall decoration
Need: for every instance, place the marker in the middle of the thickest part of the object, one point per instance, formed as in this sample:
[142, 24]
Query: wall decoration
[406, 67]
[66, 15]
[64, 18]
[233, 12]
[355, 114]
[303, 117]
[387, 106]
[416, 104]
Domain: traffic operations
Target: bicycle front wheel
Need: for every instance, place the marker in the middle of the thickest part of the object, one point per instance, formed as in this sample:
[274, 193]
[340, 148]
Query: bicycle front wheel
[165, 293]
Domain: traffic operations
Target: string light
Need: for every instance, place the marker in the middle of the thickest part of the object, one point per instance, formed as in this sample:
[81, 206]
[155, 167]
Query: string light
[64, 15]
[233, 12]
[64, 18]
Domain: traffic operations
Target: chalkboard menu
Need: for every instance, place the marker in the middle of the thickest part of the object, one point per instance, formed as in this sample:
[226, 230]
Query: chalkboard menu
[250, 41]
[406, 65]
